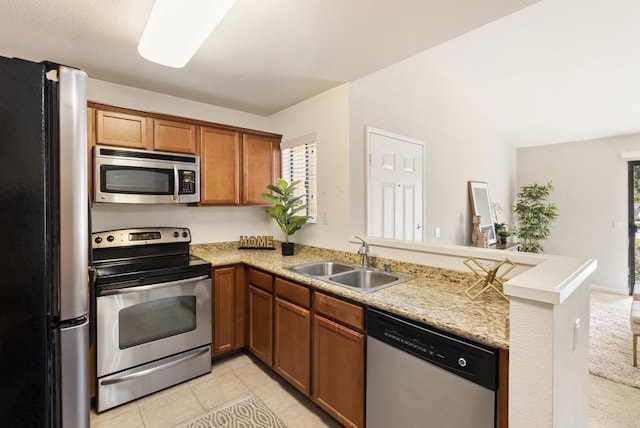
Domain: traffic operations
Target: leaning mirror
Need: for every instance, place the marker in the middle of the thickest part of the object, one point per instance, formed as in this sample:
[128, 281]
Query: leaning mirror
[481, 206]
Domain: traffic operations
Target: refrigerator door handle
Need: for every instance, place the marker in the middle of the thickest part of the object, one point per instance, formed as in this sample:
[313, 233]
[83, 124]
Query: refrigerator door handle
[74, 382]
[74, 252]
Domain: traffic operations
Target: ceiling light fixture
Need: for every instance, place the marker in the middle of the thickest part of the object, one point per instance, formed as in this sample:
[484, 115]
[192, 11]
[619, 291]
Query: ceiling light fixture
[176, 29]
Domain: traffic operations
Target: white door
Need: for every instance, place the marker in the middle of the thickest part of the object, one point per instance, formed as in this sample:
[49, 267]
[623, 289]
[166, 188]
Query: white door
[395, 186]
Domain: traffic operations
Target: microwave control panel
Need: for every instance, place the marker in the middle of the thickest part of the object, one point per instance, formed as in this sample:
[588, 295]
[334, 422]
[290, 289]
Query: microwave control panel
[187, 182]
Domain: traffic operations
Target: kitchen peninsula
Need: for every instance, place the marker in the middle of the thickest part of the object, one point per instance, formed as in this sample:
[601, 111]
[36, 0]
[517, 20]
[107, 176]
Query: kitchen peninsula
[551, 290]
[435, 297]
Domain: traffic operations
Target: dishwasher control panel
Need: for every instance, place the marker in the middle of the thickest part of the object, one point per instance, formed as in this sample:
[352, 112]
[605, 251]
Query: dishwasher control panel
[463, 357]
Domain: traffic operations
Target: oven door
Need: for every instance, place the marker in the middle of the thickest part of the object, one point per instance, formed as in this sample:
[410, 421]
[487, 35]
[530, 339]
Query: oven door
[142, 324]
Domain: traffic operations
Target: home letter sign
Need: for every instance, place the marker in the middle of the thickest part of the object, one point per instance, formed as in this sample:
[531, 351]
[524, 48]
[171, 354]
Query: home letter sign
[256, 243]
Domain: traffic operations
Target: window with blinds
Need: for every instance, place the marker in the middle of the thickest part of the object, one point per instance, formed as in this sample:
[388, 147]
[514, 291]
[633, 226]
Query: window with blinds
[299, 164]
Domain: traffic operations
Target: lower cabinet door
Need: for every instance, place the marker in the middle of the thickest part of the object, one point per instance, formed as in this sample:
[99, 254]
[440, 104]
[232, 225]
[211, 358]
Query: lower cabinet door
[292, 347]
[261, 324]
[339, 371]
[224, 313]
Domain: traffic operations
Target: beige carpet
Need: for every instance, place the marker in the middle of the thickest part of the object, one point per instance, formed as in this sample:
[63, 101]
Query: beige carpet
[610, 345]
[249, 412]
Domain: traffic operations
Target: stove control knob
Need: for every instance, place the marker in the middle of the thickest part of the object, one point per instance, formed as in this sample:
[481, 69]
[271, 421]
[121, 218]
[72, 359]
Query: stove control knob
[185, 234]
[110, 238]
[98, 240]
[176, 234]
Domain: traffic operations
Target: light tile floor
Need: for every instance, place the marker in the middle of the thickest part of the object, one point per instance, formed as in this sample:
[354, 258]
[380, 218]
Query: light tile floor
[611, 405]
[230, 380]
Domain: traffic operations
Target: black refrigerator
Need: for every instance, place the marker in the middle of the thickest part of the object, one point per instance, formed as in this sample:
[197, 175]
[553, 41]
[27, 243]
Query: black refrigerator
[44, 253]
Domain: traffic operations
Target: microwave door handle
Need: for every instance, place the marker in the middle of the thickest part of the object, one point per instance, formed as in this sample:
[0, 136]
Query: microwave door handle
[176, 179]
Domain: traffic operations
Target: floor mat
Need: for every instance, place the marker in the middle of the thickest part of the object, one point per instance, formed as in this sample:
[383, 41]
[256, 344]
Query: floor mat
[249, 412]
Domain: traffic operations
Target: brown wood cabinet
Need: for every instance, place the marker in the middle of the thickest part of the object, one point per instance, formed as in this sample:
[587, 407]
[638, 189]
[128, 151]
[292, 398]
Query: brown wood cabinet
[339, 371]
[121, 129]
[339, 358]
[171, 136]
[236, 164]
[228, 310]
[292, 334]
[260, 328]
[235, 167]
[260, 167]
[219, 166]
[141, 132]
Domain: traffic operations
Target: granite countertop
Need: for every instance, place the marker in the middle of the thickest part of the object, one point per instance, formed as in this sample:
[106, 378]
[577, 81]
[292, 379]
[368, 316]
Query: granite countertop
[434, 297]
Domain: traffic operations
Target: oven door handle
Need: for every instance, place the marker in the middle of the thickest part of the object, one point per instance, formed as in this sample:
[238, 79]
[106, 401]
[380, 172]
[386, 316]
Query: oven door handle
[152, 286]
[183, 358]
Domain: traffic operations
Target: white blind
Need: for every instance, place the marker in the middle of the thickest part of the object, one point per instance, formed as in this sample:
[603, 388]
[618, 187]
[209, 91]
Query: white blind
[299, 164]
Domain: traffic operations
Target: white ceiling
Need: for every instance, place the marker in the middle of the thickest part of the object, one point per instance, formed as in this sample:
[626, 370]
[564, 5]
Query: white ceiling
[558, 70]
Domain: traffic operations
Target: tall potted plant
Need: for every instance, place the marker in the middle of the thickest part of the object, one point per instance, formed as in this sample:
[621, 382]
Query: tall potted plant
[535, 215]
[285, 207]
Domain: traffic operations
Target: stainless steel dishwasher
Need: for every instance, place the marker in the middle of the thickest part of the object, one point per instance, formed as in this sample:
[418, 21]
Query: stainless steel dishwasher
[418, 376]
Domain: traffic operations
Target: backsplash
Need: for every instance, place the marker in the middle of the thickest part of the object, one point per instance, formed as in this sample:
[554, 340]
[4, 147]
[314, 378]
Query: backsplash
[424, 271]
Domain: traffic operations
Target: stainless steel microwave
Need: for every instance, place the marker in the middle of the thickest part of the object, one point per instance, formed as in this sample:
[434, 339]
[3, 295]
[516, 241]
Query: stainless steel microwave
[131, 176]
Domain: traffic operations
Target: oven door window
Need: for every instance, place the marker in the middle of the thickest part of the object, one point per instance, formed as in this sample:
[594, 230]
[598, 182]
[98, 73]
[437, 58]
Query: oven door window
[156, 319]
[136, 180]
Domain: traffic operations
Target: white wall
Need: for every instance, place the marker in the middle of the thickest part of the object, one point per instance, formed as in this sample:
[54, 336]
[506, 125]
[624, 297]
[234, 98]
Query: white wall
[590, 181]
[549, 361]
[415, 98]
[140, 99]
[412, 98]
[207, 224]
[328, 115]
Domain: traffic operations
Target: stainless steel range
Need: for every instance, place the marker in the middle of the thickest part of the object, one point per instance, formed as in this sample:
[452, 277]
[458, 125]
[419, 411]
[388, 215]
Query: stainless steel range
[153, 306]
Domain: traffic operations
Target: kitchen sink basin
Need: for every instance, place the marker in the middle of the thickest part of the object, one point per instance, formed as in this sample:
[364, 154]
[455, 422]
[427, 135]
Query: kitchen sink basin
[322, 268]
[364, 279]
[350, 276]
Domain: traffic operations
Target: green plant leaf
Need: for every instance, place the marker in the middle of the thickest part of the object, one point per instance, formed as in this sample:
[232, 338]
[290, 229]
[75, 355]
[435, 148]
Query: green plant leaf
[285, 206]
[535, 215]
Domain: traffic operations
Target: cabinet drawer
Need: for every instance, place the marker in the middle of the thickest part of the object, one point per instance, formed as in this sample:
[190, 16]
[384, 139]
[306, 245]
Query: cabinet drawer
[347, 313]
[261, 279]
[295, 293]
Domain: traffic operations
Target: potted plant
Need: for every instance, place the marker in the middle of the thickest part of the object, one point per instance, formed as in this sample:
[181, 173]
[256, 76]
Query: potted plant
[535, 215]
[502, 232]
[285, 206]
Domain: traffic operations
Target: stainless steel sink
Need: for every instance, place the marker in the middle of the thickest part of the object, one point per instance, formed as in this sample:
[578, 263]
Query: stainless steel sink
[322, 268]
[354, 277]
[364, 279]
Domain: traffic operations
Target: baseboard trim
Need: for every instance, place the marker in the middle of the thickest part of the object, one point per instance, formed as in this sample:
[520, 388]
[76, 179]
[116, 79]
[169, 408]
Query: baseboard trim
[612, 290]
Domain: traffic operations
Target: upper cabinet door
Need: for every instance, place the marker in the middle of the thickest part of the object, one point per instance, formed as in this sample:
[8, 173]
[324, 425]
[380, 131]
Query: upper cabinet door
[172, 136]
[127, 130]
[219, 167]
[260, 167]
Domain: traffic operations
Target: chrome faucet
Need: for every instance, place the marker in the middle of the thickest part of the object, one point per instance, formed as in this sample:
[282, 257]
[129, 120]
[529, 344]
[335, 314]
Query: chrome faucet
[364, 252]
